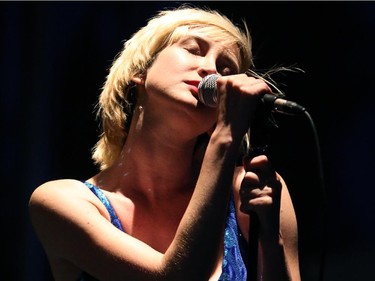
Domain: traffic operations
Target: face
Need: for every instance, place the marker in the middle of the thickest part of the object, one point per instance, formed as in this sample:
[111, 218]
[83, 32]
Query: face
[171, 83]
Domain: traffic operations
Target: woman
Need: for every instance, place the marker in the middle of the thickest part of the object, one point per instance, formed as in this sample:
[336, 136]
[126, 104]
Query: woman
[169, 202]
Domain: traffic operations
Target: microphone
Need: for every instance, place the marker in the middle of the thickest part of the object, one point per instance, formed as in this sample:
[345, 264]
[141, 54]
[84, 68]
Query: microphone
[207, 95]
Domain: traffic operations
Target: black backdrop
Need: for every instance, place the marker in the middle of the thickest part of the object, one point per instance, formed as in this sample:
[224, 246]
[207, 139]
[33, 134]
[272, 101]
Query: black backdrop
[55, 55]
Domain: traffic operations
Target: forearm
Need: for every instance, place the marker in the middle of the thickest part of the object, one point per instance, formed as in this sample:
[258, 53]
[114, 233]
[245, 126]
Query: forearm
[200, 231]
[272, 258]
[279, 245]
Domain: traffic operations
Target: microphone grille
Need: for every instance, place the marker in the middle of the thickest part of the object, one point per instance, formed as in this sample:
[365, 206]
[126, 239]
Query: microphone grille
[207, 90]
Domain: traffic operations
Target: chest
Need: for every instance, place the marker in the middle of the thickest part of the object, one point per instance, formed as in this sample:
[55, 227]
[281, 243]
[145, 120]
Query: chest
[154, 224]
[157, 226]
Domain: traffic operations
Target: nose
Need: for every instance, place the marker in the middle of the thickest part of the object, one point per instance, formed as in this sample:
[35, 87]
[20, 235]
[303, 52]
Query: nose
[207, 66]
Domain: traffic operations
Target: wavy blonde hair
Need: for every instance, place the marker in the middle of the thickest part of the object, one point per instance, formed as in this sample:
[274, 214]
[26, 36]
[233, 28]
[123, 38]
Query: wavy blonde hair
[117, 98]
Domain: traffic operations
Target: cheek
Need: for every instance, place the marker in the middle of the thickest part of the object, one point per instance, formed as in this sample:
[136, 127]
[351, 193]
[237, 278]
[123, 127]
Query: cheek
[168, 68]
[172, 60]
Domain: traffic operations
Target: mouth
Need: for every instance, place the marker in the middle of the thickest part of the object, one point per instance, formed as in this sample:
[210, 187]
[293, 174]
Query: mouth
[193, 86]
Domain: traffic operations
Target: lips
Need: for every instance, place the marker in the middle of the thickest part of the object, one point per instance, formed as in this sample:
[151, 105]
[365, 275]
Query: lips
[194, 86]
[193, 83]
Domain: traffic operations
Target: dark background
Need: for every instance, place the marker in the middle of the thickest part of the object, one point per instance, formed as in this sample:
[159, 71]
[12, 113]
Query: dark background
[55, 56]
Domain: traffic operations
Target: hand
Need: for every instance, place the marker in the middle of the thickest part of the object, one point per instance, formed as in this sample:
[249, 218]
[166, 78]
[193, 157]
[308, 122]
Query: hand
[260, 192]
[238, 97]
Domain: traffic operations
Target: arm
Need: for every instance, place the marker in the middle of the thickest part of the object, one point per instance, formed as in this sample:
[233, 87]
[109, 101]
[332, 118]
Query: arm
[74, 227]
[265, 192]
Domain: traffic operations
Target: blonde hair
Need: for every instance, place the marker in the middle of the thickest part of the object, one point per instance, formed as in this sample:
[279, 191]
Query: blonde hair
[117, 97]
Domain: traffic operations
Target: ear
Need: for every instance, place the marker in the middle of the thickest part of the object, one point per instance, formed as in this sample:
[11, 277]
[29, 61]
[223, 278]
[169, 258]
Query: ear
[138, 79]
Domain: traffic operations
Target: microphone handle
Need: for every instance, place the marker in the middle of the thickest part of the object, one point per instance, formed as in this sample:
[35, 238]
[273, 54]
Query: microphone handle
[260, 131]
[254, 226]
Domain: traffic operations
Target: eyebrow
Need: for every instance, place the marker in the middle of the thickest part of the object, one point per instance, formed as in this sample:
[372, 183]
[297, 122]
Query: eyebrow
[229, 57]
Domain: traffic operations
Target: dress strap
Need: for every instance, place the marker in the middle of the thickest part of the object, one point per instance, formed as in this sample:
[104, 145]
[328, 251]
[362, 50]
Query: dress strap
[100, 194]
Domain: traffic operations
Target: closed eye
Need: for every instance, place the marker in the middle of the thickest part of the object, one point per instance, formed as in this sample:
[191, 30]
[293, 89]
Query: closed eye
[226, 68]
[195, 50]
[194, 46]
[225, 71]
[197, 46]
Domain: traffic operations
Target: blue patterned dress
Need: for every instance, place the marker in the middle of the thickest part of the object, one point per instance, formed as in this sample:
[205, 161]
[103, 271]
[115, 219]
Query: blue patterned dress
[233, 268]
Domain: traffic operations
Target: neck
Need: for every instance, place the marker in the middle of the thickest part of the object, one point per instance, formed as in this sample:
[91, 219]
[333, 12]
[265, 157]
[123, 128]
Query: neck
[153, 161]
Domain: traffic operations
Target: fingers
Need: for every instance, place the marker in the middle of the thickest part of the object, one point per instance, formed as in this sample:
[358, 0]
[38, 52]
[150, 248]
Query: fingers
[237, 93]
[258, 195]
[238, 96]
[260, 165]
[243, 84]
[260, 188]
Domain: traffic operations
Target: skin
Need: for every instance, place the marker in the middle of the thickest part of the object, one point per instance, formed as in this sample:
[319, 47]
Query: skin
[171, 202]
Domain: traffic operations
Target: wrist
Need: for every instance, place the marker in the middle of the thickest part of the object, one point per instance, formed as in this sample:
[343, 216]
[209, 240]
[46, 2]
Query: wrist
[224, 137]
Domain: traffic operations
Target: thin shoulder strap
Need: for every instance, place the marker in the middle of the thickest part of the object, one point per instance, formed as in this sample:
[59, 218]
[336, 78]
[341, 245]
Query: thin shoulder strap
[114, 218]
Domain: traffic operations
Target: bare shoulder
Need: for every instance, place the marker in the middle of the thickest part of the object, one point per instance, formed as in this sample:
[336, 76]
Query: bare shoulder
[54, 193]
[59, 196]
[60, 208]
[72, 224]
[61, 200]
[50, 187]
